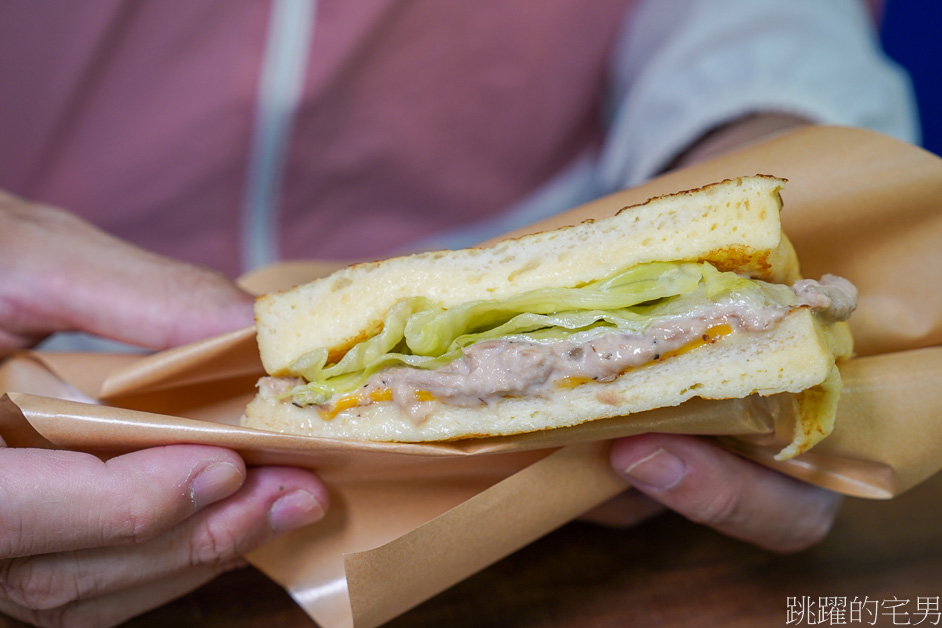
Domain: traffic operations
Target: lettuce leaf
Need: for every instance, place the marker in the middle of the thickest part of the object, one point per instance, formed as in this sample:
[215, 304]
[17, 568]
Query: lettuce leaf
[418, 333]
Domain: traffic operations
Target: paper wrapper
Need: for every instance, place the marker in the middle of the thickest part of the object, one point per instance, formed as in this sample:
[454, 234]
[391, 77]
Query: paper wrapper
[408, 521]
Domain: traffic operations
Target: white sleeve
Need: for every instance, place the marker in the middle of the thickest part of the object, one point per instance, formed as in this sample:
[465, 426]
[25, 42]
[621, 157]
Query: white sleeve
[684, 67]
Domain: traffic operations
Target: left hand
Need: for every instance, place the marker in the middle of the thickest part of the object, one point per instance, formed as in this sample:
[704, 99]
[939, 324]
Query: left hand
[59, 272]
[709, 485]
[91, 543]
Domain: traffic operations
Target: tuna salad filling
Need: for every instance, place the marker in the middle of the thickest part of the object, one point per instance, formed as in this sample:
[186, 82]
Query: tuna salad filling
[533, 344]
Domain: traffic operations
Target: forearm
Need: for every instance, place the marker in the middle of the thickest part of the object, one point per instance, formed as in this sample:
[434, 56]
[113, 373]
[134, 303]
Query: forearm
[736, 134]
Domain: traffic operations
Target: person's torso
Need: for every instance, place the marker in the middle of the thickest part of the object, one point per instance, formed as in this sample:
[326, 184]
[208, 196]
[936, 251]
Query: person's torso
[415, 116]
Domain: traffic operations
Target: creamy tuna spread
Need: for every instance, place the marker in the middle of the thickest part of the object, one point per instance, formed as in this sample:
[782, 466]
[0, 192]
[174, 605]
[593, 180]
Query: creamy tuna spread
[494, 369]
[490, 370]
[833, 297]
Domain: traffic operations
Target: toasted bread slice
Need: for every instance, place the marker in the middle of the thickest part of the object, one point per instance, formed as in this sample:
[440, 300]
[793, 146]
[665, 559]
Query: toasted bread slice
[734, 224]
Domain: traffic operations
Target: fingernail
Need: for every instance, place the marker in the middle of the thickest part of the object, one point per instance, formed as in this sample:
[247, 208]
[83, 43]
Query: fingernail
[659, 470]
[218, 480]
[294, 510]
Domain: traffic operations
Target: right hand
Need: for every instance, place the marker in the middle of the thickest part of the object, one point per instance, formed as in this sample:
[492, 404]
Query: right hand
[732, 495]
[60, 273]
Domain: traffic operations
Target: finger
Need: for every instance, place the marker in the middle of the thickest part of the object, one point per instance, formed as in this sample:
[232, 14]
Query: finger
[115, 608]
[273, 500]
[58, 500]
[138, 297]
[627, 509]
[711, 486]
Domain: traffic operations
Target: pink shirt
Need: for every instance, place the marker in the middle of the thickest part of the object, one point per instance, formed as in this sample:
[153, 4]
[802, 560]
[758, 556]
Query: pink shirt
[418, 121]
[415, 117]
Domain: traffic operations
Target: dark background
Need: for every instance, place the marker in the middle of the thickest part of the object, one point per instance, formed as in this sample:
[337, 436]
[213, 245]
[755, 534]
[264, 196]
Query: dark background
[912, 36]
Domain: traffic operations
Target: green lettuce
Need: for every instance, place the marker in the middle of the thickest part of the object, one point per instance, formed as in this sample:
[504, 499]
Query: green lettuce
[418, 333]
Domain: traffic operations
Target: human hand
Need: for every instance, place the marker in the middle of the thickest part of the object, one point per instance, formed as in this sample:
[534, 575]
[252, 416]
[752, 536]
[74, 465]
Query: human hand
[84, 542]
[699, 480]
[709, 485]
[91, 543]
[60, 273]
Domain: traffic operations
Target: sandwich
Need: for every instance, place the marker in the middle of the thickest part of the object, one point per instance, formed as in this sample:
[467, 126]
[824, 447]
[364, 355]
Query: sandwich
[690, 294]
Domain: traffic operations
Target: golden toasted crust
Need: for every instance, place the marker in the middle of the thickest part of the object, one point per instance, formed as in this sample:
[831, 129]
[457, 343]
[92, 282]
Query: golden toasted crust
[734, 224]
